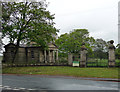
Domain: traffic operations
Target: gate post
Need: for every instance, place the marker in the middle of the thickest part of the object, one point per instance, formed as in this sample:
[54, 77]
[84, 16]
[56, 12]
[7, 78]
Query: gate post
[70, 59]
[111, 59]
[83, 55]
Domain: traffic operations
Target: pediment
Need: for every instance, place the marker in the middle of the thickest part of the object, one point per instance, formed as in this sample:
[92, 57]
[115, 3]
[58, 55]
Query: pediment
[51, 45]
[10, 45]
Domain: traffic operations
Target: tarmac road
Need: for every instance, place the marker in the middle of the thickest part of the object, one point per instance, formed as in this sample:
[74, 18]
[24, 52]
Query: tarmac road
[41, 82]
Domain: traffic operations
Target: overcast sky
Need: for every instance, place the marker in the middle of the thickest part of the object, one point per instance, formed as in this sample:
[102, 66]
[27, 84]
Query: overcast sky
[100, 17]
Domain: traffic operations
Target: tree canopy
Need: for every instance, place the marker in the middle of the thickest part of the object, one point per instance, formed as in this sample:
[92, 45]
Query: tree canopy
[100, 49]
[27, 21]
[117, 51]
[71, 42]
[1, 45]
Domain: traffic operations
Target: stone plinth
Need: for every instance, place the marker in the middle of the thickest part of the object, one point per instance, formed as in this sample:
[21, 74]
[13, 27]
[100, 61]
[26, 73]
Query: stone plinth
[83, 56]
[111, 59]
[70, 59]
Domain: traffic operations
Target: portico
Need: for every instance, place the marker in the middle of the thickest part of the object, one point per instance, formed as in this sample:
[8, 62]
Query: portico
[50, 55]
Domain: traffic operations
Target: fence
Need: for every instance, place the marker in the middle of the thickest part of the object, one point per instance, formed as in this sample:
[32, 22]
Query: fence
[95, 62]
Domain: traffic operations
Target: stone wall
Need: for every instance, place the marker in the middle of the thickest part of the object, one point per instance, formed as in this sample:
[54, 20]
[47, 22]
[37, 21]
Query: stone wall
[22, 56]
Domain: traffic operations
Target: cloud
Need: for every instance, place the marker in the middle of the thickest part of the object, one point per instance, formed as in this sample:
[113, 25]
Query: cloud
[100, 17]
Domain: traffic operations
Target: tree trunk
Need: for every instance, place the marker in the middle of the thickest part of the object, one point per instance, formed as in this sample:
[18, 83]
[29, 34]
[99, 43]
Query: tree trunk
[16, 51]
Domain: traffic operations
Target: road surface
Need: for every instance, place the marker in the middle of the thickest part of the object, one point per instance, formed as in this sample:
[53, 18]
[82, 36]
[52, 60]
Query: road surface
[39, 82]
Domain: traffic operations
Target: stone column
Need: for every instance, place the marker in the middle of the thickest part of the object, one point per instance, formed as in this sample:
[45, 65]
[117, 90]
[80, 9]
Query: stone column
[70, 59]
[56, 55]
[83, 55]
[111, 59]
[45, 56]
[53, 54]
[49, 56]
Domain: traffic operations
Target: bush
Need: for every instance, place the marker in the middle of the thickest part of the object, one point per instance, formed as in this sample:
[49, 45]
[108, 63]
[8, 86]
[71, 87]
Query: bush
[63, 60]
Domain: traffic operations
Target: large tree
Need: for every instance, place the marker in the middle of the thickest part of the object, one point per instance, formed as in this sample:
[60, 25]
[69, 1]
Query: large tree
[27, 21]
[100, 49]
[71, 42]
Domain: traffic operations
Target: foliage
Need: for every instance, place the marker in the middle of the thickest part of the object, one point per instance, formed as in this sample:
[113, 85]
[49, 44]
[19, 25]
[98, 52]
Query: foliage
[1, 44]
[63, 60]
[71, 42]
[117, 51]
[100, 45]
[100, 49]
[27, 21]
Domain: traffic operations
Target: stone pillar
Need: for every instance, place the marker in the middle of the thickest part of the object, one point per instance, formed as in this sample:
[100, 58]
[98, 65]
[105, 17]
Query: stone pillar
[56, 55]
[53, 54]
[83, 55]
[49, 56]
[111, 59]
[40, 56]
[45, 56]
[70, 59]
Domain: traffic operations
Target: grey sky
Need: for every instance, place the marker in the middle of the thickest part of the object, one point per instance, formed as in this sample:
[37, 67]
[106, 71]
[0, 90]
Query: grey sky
[100, 17]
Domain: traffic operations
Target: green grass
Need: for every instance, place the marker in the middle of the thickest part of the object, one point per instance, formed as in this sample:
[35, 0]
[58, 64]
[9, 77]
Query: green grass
[64, 71]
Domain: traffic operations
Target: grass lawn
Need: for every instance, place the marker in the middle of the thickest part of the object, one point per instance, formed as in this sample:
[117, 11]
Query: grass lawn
[64, 71]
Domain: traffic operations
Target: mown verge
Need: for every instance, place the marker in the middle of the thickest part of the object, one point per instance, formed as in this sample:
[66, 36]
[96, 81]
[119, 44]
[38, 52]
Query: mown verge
[64, 71]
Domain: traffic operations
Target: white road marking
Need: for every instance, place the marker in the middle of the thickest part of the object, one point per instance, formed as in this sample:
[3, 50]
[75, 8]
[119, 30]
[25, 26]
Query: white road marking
[22, 88]
[30, 89]
[6, 86]
[15, 89]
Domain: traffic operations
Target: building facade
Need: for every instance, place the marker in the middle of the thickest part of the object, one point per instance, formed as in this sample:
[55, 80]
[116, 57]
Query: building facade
[31, 54]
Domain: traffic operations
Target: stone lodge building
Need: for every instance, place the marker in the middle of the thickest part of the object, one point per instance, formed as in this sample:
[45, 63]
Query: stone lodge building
[31, 54]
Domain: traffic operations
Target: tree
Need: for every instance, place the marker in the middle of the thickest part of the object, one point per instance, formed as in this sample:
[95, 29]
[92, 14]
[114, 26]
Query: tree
[100, 48]
[27, 21]
[117, 51]
[71, 43]
[1, 45]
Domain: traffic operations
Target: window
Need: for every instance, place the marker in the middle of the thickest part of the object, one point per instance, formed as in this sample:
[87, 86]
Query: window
[12, 53]
[32, 54]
